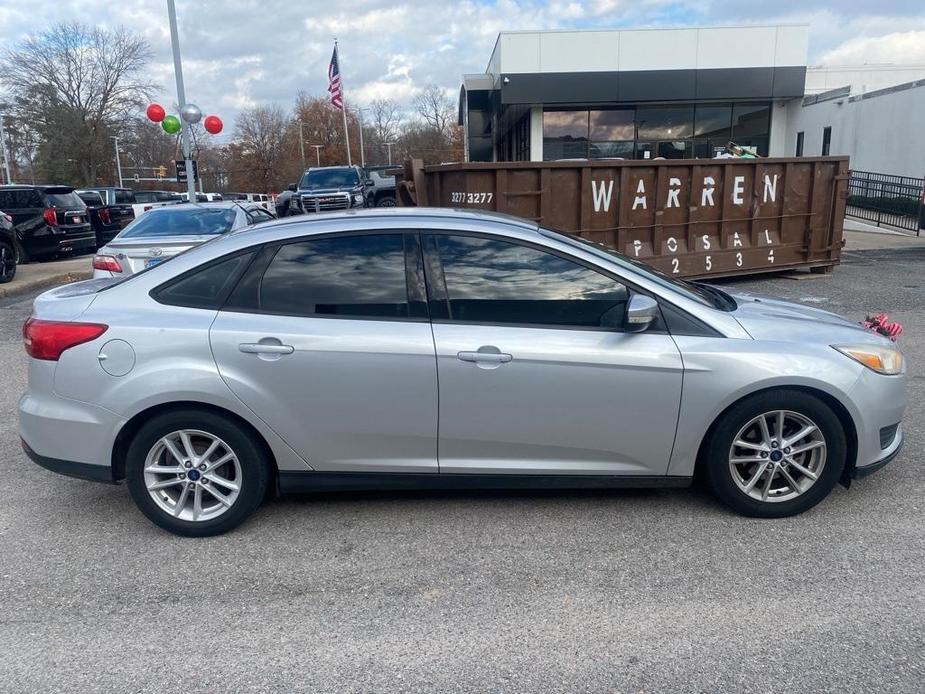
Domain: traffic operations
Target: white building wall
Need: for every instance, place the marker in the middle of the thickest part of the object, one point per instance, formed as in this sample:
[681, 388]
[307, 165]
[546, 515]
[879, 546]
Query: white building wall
[861, 78]
[881, 133]
[536, 133]
[650, 49]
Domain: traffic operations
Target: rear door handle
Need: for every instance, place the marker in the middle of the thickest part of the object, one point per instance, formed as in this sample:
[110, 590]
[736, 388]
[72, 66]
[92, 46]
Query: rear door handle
[484, 357]
[262, 348]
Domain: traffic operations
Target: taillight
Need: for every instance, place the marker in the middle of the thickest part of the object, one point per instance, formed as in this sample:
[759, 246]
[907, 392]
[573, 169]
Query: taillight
[50, 217]
[146, 208]
[106, 262]
[104, 216]
[47, 339]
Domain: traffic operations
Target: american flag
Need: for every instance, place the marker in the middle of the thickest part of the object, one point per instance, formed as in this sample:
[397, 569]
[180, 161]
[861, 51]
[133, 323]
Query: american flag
[337, 96]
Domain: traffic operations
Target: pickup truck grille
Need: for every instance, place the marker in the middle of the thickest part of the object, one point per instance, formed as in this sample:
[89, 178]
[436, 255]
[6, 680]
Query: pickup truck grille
[324, 203]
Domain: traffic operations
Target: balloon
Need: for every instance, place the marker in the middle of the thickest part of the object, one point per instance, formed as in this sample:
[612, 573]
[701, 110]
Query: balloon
[191, 113]
[213, 124]
[155, 113]
[171, 125]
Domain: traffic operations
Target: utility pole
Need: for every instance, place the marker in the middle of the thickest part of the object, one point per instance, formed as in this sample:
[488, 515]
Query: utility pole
[6, 157]
[302, 144]
[186, 134]
[118, 161]
[318, 153]
[389, 146]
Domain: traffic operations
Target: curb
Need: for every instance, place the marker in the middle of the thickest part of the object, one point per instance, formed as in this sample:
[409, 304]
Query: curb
[15, 288]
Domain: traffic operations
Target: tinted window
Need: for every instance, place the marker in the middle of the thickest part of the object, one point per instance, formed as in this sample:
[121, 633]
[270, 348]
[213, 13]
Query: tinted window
[91, 198]
[490, 281]
[6, 200]
[185, 221]
[69, 200]
[143, 196]
[124, 197]
[205, 288]
[354, 276]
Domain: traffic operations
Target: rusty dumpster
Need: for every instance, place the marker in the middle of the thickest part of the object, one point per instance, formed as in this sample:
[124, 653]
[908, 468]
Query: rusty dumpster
[688, 218]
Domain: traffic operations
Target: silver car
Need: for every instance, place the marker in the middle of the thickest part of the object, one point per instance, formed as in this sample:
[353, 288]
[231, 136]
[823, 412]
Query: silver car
[423, 348]
[166, 231]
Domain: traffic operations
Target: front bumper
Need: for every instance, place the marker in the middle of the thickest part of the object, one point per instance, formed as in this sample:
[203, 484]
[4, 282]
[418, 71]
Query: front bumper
[893, 451]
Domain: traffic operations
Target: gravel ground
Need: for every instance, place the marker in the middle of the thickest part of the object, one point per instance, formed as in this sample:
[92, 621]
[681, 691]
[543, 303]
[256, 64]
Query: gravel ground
[599, 591]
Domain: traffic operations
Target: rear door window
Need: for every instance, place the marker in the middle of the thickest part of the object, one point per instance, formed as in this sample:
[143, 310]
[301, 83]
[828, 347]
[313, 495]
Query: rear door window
[340, 277]
[124, 197]
[205, 287]
[64, 200]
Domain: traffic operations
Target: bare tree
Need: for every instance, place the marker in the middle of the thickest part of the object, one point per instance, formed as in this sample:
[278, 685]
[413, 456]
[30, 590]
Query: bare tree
[74, 84]
[435, 108]
[261, 133]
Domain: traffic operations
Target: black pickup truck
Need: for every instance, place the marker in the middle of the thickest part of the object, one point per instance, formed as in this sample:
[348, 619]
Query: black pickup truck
[110, 211]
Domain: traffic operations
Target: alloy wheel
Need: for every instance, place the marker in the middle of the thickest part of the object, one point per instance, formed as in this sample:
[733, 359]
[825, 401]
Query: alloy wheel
[193, 475]
[777, 456]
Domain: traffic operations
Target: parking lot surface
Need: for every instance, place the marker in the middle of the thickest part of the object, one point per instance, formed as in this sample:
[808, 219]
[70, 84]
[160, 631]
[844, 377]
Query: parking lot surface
[659, 590]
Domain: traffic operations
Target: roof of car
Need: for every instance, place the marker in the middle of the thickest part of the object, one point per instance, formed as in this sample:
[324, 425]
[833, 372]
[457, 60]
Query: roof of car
[219, 204]
[396, 213]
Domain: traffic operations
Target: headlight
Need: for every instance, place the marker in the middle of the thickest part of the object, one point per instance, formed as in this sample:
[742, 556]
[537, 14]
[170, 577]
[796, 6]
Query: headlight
[358, 199]
[883, 360]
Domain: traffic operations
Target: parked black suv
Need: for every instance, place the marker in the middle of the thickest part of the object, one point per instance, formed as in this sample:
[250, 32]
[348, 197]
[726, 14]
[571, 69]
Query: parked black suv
[47, 220]
[110, 211]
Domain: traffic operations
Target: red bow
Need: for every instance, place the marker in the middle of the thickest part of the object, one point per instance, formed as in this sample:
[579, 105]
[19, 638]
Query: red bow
[882, 325]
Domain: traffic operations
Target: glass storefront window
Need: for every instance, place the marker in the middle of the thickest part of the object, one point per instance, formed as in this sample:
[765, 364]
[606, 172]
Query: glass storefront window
[612, 126]
[565, 135]
[664, 122]
[611, 150]
[676, 149]
[713, 121]
[750, 120]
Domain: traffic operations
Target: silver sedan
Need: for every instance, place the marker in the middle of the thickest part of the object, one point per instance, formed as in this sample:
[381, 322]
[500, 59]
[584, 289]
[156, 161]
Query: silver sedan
[439, 348]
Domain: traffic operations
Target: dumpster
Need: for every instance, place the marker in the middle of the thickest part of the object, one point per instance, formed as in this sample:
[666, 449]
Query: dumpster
[687, 218]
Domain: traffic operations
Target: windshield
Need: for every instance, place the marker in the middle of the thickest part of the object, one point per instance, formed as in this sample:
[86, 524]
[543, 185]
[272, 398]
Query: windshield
[708, 296]
[190, 221]
[330, 178]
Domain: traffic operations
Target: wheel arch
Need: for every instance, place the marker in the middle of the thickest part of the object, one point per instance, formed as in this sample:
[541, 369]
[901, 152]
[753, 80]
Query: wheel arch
[837, 407]
[130, 428]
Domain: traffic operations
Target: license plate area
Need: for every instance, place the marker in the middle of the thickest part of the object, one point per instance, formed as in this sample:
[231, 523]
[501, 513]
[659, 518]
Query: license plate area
[151, 262]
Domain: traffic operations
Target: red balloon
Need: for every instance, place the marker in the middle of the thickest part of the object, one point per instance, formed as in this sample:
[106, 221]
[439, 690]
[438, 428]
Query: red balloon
[155, 113]
[212, 124]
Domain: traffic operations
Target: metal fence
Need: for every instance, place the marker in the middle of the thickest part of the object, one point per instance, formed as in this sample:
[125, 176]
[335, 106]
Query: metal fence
[887, 200]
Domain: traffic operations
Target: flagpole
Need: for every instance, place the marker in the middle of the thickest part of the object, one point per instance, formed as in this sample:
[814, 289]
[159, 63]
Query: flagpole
[343, 103]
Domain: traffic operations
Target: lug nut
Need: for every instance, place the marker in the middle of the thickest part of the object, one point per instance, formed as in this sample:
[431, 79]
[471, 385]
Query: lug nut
[774, 444]
[204, 480]
[770, 466]
[187, 464]
[181, 475]
[191, 485]
[764, 454]
[202, 466]
[787, 449]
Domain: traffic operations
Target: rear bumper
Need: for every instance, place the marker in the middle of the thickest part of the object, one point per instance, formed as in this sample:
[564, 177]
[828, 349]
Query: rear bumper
[71, 468]
[71, 240]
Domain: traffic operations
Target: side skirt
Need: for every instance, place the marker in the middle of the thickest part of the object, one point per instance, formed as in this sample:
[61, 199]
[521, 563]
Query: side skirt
[301, 482]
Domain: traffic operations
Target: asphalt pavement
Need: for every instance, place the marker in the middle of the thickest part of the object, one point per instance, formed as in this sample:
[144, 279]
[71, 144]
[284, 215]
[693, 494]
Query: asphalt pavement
[619, 591]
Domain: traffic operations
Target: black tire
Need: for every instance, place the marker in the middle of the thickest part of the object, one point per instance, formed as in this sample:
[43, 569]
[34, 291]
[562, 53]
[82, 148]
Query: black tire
[717, 465]
[385, 201]
[8, 259]
[255, 470]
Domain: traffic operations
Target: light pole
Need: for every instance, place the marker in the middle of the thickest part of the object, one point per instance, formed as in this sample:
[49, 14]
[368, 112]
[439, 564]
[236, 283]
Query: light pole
[302, 144]
[389, 147]
[362, 153]
[118, 161]
[6, 159]
[186, 135]
[318, 153]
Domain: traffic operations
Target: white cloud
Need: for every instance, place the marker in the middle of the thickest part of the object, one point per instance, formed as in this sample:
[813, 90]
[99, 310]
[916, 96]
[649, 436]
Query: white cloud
[902, 47]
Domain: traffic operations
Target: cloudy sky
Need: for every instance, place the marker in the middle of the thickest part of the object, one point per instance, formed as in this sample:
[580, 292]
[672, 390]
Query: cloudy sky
[238, 53]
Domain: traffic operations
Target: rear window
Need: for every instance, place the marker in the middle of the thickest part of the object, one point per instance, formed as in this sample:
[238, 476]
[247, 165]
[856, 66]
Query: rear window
[189, 221]
[124, 197]
[143, 196]
[64, 200]
[91, 198]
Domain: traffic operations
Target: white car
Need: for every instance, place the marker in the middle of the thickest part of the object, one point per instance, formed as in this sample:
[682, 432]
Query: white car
[167, 231]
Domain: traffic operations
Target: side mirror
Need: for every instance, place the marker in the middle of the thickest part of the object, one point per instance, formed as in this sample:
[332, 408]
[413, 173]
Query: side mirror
[641, 312]
[292, 187]
[369, 183]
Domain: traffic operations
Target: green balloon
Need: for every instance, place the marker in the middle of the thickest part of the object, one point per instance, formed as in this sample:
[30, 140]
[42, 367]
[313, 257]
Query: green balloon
[171, 125]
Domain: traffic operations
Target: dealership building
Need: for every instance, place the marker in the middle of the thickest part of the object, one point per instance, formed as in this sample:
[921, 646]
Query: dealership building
[686, 93]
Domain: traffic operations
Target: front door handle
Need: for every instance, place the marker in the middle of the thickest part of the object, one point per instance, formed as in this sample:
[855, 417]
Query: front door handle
[264, 348]
[485, 357]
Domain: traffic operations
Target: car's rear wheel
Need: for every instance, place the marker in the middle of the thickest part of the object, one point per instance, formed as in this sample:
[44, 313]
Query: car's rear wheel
[196, 473]
[386, 201]
[775, 454]
[8, 258]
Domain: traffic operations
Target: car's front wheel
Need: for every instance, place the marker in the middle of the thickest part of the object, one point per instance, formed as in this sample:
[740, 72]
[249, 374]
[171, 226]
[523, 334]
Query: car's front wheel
[8, 260]
[196, 473]
[775, 454]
